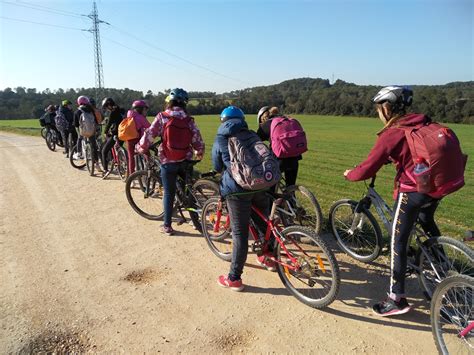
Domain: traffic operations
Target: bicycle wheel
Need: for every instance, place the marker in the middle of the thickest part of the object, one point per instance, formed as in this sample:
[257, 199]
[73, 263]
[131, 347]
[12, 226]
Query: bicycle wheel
[216, 228]
[145, 194]
[50, 140]
[122, 163]
[90, 163]
[43, 132]
[76, 162]
[306, 209]
[445, 257]
[315, 280]
[205, 189]
[59, 140]
[452, 315]
[364, 242]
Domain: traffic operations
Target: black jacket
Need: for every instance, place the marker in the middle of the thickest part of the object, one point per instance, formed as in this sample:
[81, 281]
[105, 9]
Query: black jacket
[68, 114]
[116, 116]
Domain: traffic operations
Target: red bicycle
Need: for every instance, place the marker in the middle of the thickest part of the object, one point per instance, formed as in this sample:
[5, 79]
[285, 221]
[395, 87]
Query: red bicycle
[305, 264]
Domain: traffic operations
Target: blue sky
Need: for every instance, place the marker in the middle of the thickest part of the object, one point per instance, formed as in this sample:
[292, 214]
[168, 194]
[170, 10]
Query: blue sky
[225, 45]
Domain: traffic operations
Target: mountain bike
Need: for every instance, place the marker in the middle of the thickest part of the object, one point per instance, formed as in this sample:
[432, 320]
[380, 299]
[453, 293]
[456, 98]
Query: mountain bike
[83, 158]
[452, 315]
[144, 191]
[53, 138]
[43, 132]
[301, 207]
[118, 160]
[359, 235]
[305, 265]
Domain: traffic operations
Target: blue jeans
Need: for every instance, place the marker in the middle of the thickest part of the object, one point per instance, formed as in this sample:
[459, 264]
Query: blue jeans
[169, 175]
[240, 209]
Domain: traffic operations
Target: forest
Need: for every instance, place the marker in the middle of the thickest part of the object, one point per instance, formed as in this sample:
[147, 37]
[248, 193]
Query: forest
[452, 102]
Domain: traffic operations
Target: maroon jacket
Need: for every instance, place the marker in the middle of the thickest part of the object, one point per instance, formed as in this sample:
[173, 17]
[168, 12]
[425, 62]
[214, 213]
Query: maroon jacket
[391, 145]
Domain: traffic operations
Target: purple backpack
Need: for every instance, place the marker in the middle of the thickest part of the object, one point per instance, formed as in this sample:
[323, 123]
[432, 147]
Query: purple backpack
[287, 137]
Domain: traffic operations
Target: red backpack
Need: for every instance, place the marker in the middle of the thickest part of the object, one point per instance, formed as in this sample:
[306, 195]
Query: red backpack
[440, 148]
[177, 138]
[287, 137]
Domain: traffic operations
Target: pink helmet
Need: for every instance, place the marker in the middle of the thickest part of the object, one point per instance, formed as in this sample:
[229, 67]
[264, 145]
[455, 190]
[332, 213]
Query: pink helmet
[139, 103]
[83, 100]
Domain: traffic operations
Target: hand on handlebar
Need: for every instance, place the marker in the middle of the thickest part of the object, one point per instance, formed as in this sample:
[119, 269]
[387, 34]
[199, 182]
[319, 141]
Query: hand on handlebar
[347, 172]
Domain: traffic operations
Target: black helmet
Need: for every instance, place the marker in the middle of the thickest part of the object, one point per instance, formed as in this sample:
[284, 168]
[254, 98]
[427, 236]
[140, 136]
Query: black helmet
[92, 101]
[178, 95]
[108, 101]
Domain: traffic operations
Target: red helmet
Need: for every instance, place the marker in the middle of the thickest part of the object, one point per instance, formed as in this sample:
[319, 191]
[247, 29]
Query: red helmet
[83, 100]
[139, 103]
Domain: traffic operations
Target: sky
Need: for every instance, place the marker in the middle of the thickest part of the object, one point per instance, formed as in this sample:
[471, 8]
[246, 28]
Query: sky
[223, 45]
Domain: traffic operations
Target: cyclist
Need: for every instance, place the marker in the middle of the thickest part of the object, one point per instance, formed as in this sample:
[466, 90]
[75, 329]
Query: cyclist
[391, 103]
[85, 107]
[66, 111]
[181, 138]
[239, 201]
[111, 128]
[138, 112]
[47, 120]
[288, 166]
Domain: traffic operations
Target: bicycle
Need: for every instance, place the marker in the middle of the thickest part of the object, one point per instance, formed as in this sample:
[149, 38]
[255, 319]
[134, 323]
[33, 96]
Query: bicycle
[452, 315]
[305, 265]
[301, 207]
[359, 235]
[84, 158]
[144, 191]
[117, 159]
[53, 138]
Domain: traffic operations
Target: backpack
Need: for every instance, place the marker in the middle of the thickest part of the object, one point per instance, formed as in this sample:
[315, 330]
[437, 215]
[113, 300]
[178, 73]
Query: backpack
[98, 116]
[61, 121]
[440, 148]
[287, 137]
[252, 164]
[176, 138]
[127, 130]
[87, 124]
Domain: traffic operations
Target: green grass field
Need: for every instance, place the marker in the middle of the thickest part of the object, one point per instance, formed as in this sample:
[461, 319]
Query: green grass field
[336, 144]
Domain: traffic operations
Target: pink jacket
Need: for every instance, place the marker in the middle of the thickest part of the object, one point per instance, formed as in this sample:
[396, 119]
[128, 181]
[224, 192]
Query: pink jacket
[156, 129]
[141, 123]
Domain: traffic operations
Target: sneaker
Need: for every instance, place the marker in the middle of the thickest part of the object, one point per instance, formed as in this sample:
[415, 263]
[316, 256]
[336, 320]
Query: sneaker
[167, 230]
[389, 307]
[98, 167]
[224, 281]
[267, 263]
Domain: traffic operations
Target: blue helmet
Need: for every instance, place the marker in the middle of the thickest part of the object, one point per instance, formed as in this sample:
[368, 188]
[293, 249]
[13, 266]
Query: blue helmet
[178, 95]
[232, 112]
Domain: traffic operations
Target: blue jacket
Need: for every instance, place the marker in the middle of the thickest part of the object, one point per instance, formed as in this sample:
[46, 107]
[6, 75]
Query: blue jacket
[221, 157]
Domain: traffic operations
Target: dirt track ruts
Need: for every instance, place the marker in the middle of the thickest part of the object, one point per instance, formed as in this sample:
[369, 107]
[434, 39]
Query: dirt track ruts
[80, 268]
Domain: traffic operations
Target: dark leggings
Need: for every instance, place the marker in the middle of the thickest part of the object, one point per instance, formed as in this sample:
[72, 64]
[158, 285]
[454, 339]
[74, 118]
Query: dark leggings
[409, 207]
[106, 148]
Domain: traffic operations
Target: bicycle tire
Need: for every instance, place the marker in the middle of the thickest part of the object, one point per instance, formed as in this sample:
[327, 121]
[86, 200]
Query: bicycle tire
[76, 163]
[204, 189]
[43, 132]
[90, 163]
[308, 212]
[70, 142]
[320, 270]
[153, 201]
[220, 242]
[449, 317]
[122, 163]
[448, 266]
[365, 246]
[50, 143]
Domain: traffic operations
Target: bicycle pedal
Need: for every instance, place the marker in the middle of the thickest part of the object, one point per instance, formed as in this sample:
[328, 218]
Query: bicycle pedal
[180, 221]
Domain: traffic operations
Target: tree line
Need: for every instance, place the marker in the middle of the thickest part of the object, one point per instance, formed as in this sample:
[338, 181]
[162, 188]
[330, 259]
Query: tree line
[453, 102]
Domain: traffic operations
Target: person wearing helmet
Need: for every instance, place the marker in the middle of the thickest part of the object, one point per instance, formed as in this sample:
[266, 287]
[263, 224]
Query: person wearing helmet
[181, 140]
[111, 128]
[138, 113]
[48, 119]
[65, 118]
[85, 106]
[288, 166]
[391, 104]
[239, 201]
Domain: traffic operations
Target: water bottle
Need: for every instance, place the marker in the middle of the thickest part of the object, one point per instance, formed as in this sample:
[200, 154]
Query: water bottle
[422, 174]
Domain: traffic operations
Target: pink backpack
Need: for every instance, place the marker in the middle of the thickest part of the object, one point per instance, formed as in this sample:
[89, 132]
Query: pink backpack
[440, 148]
[287, 137]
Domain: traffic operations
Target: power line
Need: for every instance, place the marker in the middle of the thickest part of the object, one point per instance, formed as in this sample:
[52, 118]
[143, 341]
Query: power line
[52, 9]
[40, 23]
[33, 7]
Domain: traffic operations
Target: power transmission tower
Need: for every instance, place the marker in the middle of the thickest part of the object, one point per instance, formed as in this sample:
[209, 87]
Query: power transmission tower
[99, 72]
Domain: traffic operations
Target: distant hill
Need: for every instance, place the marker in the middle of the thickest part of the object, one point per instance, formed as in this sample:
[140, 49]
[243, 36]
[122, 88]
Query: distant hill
[452, 102]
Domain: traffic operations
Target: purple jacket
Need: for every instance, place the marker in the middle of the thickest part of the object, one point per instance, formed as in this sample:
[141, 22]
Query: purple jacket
[141, 123]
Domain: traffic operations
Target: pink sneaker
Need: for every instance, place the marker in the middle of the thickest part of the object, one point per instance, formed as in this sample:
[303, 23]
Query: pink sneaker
[267, 263]
[167, 229]
[233, 285]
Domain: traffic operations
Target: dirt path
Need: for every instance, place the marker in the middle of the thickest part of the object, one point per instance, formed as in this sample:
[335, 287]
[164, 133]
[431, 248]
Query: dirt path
[80, 269]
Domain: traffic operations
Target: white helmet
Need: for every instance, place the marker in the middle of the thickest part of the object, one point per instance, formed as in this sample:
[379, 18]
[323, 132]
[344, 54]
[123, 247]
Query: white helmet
[261, 112]
[400, 97]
